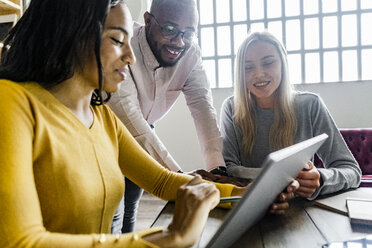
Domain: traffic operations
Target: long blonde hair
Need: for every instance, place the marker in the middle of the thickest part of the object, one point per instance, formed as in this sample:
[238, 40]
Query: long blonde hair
[283, 130]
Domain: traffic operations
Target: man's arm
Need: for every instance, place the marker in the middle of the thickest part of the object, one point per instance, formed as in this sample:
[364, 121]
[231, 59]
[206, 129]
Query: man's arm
[199, 100]
[126, 106]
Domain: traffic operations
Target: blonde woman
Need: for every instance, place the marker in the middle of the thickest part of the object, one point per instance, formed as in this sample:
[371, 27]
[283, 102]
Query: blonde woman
[266, 114]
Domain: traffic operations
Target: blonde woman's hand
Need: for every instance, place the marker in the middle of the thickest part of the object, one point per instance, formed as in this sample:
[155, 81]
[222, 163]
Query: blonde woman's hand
[282, 204]
[193, 204]
[310, 181]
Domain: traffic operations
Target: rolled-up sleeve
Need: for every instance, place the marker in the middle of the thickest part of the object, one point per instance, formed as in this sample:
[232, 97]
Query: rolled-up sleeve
[126, 106]
[341, 169]
[199, 101]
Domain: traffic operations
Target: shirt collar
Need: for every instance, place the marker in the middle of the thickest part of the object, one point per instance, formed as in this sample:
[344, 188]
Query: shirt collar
[148, 57]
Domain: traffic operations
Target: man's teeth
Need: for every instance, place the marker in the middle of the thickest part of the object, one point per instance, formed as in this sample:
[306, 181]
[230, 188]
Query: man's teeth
[173, 52]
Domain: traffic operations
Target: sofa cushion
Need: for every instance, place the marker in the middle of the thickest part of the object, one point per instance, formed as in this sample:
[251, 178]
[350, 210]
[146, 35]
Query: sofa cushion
[359, 141]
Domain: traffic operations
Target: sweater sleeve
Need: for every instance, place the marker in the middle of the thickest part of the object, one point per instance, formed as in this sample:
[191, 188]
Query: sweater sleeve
[199, 100]
[21, 219]
[146, 172]
[230, 148]
[126, 106]
[341, 169]
[21, 222]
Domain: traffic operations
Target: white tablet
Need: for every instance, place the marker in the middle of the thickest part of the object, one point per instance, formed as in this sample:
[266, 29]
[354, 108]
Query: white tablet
[278, 170]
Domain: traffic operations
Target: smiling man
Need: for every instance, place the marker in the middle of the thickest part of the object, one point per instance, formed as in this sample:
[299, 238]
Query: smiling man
[168, 63]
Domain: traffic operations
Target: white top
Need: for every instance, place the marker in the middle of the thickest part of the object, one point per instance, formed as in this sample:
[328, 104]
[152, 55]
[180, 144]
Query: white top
[151, 90]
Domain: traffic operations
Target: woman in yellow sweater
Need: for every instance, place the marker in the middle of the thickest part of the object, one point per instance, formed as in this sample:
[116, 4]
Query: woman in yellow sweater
[63, 152]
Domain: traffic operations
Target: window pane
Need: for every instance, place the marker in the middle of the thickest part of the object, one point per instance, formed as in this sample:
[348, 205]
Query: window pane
[293, 35]
[240, 33]
[275, 28]
[210, 69]
[224, 73]
[292, 7]
[330, 33]
[366, 29]
[294, 64]
[206, 13]
[223, 10]
[331, 28]
[256, 9]
[367, 64]
[349, 30]
[329, 6]
[349, 66]
[310, 7]
[239, 10]
[223, 40]
[348, 5]
[311, 33]
[331, 67]
[257, 27]
[366, 4]
[312, 70]
[207, 41]
[274, 8]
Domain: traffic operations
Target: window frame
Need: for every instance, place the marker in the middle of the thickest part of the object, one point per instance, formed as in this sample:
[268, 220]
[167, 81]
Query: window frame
[302, 51]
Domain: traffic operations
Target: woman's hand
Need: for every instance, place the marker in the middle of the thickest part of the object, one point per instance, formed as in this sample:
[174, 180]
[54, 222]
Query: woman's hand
[282, 204]
[309, 180]
[194, 201]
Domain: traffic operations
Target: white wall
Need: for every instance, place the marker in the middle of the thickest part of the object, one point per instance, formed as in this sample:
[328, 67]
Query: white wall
[349, 103]
[138, 8]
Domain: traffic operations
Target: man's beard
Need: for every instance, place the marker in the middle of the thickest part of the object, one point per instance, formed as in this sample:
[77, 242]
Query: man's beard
[164, 63]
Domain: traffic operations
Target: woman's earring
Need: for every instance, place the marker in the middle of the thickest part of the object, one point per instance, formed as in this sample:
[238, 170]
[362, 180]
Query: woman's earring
[96, 98]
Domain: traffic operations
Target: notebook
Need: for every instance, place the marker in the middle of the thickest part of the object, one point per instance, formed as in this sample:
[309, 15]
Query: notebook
[359, 211]
[336, 202]
[278, 170]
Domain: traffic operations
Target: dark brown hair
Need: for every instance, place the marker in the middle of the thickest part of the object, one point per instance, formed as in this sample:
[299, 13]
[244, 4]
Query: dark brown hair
[52, 39]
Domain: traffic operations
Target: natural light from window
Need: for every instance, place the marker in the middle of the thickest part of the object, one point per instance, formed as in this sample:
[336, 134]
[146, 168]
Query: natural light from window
[325, 42]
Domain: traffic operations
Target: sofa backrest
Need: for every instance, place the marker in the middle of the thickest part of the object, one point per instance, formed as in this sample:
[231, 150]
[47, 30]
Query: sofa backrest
[359, 141]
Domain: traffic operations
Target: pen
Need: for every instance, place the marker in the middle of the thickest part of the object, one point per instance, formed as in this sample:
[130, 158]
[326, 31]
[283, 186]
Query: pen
[230, 199]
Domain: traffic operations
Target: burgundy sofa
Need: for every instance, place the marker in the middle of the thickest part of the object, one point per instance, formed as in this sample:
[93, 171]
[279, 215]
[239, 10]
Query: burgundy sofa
[359, 141]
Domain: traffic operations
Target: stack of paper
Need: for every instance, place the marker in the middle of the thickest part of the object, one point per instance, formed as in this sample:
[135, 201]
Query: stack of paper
[359, 211]
[337, 202]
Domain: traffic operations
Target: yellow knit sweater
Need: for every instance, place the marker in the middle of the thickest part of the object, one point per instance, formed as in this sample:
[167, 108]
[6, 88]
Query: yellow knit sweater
[60, 182]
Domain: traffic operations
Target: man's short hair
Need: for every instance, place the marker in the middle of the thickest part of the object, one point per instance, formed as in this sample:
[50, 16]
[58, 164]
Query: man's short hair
[157, 4]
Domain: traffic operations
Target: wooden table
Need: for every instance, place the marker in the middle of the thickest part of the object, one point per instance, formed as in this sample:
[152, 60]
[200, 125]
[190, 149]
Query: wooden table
[304, 225]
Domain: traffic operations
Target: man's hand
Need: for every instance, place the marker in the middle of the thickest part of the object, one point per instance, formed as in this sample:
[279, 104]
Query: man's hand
[280, 206]
[218, 178]
[309, 180]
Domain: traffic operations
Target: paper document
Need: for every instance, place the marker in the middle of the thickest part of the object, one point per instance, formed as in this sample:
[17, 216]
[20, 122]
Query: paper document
[360, 211]
[337, 202]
